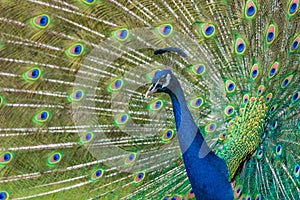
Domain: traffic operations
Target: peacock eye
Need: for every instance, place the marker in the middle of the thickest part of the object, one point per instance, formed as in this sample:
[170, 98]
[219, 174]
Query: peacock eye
[163, 80]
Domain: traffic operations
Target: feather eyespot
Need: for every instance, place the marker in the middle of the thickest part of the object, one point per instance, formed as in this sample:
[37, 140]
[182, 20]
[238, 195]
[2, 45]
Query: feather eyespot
[76, 96]
[116, 85]
[259, 154]
[139, 177]
[122, 119]
[6, 158]
[297, 171]
[240, 46]
[222, 136]
[54, 158]
[295, 97]
[273, 108]
[269, 97]
[229, 86]
[208, 30]
[286, 81]
[258, 197]
[229, 111]
[75, 50]
[32, 74]
[41, 21]
[97, 174]
[210, 128]
[246, 98]
[198, 69]
[156, 105]
[254, 71]
[42, 117]
[130, 159]
[278, 150]
[293, 7]
[4, 195]
[165, 30]
[274, 69]
[295, 44]
[274, 125]
[121, 34]
[237, 191]
[271, 34]
[260, 90]
[86, 138]
[191, 194]
[250, 9]
[196, 103]
[168, 135]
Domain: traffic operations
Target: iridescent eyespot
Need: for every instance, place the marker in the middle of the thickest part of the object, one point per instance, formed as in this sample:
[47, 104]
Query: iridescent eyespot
[156, 105]
[258, 197]
[4, 195]
[97, 174]
[42, 116]
[274, 125]
[165, 198]
[75, 50]
[88, 2]
[295, 97]
[5, 158]
[293, 7]
[168, 135]
[1, 100]
[76, 96]
[269, 97]
[121, 34]
[222, 136]
[273, 108]
[297, 171]
[41, 21]
[139, 177]
[229, 110]
[198, 69]
[229, 86]
[32, 74]
[259, 154]
[254, 71]
[177, 197]
[210, 128]
[295, 44]
[237, 191]
[278, 150]
[250, 9]
[54, 158]
[208, 30]
[196, 103]
[240, 46]
[260, 90]
[191, 194]
[86, 138]
[122, 119]
[274, 69]
[165, 30]
[116, 85]
[246, 98]
[130, 159]
[230, 123]
[271, 34]
[287, 81]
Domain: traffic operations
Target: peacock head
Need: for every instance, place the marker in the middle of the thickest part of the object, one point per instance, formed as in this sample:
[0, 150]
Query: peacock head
[162, 81]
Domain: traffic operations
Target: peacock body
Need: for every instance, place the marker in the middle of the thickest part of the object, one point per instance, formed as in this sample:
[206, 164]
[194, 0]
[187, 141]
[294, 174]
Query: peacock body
[75, 123]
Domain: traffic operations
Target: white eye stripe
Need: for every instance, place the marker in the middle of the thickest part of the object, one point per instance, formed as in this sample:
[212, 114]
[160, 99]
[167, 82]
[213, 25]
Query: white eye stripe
[167, 80]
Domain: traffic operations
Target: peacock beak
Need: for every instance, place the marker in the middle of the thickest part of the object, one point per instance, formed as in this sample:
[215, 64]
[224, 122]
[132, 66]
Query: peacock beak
[152, 89]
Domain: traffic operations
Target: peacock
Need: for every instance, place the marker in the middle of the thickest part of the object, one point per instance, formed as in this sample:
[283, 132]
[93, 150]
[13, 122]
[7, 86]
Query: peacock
[149, 99]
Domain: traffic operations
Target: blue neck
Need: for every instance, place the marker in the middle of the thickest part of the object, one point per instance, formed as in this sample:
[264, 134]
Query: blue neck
[207, 173]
